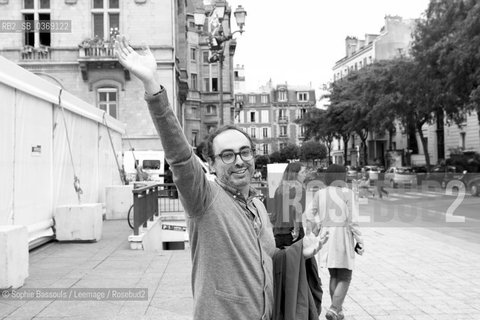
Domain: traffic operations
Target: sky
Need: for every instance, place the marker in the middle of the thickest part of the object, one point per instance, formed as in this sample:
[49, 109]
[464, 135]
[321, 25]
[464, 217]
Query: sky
[299, 41]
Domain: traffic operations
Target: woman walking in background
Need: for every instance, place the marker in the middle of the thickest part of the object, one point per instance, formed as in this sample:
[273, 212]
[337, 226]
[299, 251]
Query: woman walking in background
[289, 204]
[335, 209]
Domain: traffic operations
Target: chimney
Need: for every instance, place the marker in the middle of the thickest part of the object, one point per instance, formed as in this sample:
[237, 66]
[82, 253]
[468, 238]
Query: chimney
[350, 45]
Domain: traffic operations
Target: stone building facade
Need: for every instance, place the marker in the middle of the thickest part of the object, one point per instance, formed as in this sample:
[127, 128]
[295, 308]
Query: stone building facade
[80, 58]
[269, 115]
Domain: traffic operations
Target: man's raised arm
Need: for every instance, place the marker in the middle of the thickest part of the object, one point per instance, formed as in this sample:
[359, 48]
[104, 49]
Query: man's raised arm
[189, 176]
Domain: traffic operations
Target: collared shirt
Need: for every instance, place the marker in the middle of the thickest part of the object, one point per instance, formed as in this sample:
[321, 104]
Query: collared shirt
[250, 209]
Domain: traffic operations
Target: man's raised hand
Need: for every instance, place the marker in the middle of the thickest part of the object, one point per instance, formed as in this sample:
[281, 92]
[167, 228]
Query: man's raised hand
[312, 244]
[143, 65]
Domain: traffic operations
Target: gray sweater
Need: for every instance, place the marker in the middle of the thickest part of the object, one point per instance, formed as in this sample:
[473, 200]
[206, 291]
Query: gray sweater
[231, 250]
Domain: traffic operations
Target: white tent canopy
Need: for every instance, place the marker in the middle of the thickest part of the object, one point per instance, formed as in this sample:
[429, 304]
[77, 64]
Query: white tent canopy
[36, 167]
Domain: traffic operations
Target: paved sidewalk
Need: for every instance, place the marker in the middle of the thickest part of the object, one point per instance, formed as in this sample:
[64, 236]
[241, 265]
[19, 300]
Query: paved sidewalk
[406, 273]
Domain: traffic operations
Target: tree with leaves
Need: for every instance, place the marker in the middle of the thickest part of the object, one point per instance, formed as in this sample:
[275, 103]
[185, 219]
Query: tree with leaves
[262, 160]
[312, 150]
[289, 152]
[275, 157]
[414, 97]
[318, 127]
[446, 43]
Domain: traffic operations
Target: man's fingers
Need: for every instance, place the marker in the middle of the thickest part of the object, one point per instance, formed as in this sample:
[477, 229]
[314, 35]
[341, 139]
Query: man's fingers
[120, 48]
[125, 46]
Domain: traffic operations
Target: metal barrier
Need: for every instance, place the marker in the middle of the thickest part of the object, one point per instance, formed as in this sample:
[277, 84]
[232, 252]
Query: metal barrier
[168, 198]
[151, 200]
[145, 205]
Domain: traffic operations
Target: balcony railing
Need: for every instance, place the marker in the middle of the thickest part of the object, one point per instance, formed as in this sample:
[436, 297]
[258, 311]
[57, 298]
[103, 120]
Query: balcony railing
[282, 119]
[35, 53]
[96, 48]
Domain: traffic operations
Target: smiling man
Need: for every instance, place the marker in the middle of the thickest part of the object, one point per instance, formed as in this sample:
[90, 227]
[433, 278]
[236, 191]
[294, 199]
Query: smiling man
[231, 239]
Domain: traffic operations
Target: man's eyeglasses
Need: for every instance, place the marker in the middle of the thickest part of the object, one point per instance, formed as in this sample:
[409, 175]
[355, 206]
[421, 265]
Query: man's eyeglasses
[228, 156]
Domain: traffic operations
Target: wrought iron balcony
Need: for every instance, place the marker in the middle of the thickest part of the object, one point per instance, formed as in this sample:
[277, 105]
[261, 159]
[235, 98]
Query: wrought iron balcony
[96, 48]
[97, 53]
[282, 119]
[35, 53]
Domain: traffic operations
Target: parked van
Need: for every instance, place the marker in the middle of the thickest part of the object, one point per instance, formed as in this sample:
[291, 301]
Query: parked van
[152, 163]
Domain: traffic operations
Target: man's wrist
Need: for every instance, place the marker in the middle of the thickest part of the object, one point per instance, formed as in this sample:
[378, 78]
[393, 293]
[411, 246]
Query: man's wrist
[152, 87]
[161, 90]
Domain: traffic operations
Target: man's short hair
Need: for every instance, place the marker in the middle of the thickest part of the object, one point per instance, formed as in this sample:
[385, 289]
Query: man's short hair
[208, 151]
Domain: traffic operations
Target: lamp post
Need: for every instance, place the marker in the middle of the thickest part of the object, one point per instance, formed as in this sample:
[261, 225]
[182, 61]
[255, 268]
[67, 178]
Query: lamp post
[217, 40]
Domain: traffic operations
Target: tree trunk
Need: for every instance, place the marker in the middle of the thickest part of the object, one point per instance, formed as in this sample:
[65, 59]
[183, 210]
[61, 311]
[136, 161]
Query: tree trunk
[365, 151]
[424, 145]
[390, 139]
[329, 147]
[345, 138]
[363, 134]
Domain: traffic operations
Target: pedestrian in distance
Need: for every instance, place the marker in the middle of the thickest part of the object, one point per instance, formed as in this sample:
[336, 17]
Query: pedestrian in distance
[335, 208]
[289, 204]
[257, 175]
[231, 238]
[380, 184]
[364, 185]
[140, 175]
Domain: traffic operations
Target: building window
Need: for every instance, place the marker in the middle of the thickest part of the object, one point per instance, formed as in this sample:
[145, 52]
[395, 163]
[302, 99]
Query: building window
[302, 96]
[193, 54]
[211, 129]
[206, 84]
[266, 132]
[252, 116]
[462, 140]
[211, 109]
[194, 138]
[265, 148]
[265, 117]
[282, 145]
[205, 57]
[251, 99]
[282, 96]
[107, 100]
[301, 113]
[38, 10]
[302, 131]
[253, 132]
[239, 97]
[106, 18]
[283, 131]
[282, 115]
[264, 98]
[194, 81]
[214, 84]
[194, 112]
[241, 117]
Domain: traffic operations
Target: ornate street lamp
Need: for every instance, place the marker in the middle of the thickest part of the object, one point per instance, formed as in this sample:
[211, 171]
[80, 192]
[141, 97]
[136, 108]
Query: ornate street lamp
[217, 40]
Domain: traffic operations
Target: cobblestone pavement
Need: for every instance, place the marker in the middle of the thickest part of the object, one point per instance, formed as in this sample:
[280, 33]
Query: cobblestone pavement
[405, 273]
